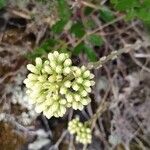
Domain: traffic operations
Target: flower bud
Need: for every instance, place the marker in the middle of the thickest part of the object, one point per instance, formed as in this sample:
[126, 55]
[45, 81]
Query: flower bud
[38, 62]
[63, 90]
[69, 97]
[58, 69]
[32, 68]
[61, 57]
[48, 69]
[67, 84]
[67, 62]
[75, 87]
[32, 76]
[66, 70]
[86, 74]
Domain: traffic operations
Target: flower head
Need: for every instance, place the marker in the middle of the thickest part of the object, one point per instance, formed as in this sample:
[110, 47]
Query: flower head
[54, 85]
[82, 131]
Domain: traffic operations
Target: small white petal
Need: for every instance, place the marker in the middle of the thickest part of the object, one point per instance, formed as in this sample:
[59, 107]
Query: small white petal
[42, 78]
[48, 114]
[32, 68]
[29, 83]
[67, 62]
[40, 107]
[53, 64]
[91, 76]
[84, 101]
[38, 62]
[48, 69]
[84, 93]
[78, 73]
[40, 99]
[83, 68]
[61, 57]
[58, 69]
[63, 90]
[86, 74]
[66, 70]
[77, 97]
[63, 101]
[56, 54]
[52, 79]
[92, 83]
[75, 87]
[69, 98]
[46, 62]
[51, 57]
[75, 105]
[87, 83]
[59, 77]
[67, 84]
[32, 76]
[62, 110]
[79, 80]
[80, 106]
[55, 106]
[88, 89]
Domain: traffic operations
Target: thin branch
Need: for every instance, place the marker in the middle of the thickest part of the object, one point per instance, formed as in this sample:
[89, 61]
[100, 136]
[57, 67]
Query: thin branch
[114, 55]
[56, 145]
[90, 5]
[101, 108]
[98, 29]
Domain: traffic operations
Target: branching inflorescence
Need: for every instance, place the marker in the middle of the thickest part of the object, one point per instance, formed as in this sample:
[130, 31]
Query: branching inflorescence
[55, 85]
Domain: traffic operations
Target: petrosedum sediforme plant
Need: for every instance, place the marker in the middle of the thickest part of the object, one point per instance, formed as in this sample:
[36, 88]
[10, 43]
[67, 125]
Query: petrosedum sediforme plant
[81, 130]
[55, 84]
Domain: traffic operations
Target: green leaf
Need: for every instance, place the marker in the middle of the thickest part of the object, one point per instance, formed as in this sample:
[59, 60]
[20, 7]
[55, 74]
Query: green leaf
[86, 49]
[45, 47]
[106, 15]
[78, 29]
[63, 9]
[3, 3]
[90, 53]
[144, 14]
[124, 5]
[88, 11]
[95, 40]
[131, 14]
[79, 48]
[64, 16]
[59, 26]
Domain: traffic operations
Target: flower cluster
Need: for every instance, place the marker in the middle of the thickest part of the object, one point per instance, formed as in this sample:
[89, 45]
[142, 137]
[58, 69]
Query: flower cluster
[55, 85]
[82, 131]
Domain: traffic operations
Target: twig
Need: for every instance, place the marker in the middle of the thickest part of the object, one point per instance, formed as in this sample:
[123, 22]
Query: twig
[98, 29]
[141, 55]
[56, 145]
[90, 5]
[47, 126]
[114, 55]
[101, 108]
[85, 147]
[139, 63]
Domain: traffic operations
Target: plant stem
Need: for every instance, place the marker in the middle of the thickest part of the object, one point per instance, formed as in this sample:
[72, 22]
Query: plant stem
[101, 108]
[90, 5]
[113, 56]
[98, 29]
